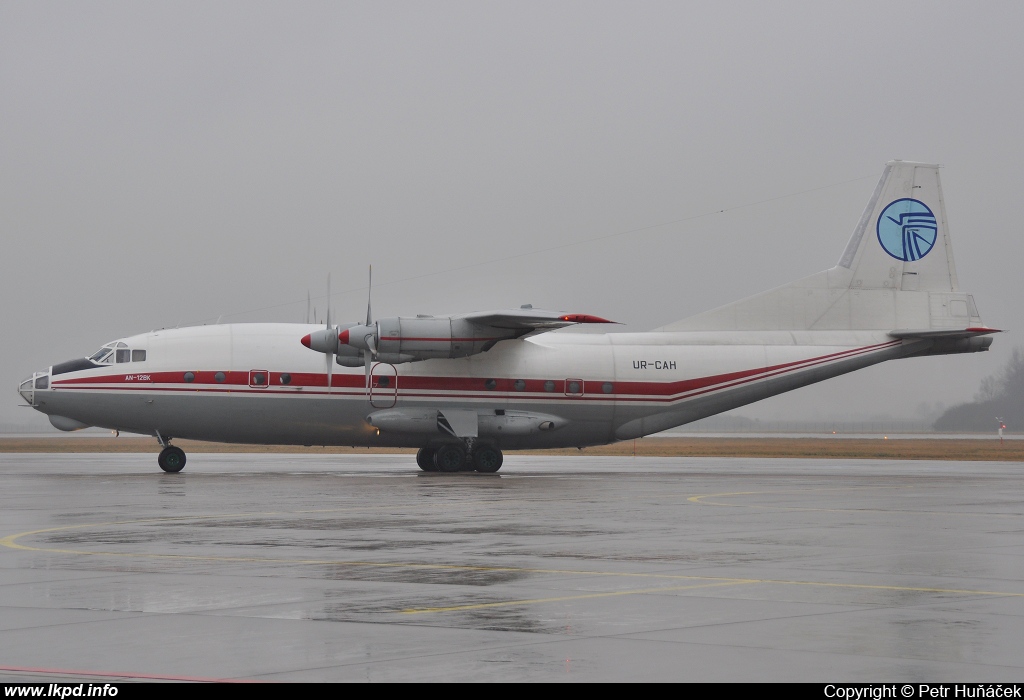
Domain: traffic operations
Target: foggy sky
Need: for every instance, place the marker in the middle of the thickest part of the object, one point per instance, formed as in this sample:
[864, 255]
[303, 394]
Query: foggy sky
[174, 163]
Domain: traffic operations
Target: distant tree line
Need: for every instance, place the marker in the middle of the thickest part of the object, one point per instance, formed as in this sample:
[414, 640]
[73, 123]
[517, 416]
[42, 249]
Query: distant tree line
[1001, 395]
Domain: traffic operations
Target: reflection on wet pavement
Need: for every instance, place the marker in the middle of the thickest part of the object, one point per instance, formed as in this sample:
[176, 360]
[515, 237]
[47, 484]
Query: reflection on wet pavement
[570, 567]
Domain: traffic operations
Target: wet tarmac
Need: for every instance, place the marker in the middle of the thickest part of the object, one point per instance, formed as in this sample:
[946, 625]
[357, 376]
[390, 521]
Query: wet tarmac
[362, 568]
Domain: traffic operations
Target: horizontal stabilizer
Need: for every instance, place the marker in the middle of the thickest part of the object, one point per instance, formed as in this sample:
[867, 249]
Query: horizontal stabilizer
[945, 334]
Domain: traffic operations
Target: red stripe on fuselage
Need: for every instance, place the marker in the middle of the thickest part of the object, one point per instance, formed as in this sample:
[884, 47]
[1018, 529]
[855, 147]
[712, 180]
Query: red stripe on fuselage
[404, 338]
[412, 386]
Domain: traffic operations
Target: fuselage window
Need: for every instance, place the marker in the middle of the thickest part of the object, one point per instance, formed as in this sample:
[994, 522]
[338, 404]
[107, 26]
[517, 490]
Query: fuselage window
[220, 377]
[138, 355]
[520, 385]
[124, 355]
[190, 376]
[607, 387]
[491, 384]
[285, 378]
[549, 385]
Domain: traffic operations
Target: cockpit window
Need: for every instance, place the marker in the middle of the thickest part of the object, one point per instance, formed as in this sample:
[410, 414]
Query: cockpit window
[102, 356]
[117, 352]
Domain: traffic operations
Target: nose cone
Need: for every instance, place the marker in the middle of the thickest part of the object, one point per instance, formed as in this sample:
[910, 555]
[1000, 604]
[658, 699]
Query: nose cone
[322, 341]
[28, 387]
[25, 389]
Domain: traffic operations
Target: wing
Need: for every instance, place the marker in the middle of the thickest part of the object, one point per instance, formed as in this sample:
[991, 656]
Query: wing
[528, 319]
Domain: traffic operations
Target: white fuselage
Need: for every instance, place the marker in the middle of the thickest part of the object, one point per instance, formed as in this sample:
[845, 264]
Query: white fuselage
[255, 383]
[506, 380]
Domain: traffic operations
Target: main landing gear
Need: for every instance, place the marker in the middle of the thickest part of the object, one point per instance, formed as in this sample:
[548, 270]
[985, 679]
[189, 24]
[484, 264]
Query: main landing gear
[171, 459]
[456, 458]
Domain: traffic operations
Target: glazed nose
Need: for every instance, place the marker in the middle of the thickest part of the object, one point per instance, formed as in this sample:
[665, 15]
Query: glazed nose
[27, 388]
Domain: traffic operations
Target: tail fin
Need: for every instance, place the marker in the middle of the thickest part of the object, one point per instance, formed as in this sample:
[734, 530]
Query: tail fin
[902, 240]
[897, 272]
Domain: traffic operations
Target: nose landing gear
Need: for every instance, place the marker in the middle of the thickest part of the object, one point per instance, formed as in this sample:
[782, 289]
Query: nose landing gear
[171, 459]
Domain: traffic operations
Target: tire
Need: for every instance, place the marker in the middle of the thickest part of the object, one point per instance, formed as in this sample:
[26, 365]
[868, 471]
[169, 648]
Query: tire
[425, 459]
[487, 459]
[450, 458]
[171, 459]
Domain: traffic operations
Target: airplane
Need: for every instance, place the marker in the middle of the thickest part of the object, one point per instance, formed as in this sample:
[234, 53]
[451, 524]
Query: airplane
[464, 388]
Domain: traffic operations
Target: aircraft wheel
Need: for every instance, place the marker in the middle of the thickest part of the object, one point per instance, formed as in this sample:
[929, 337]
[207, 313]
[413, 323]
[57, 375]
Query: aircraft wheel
[450, 458]
[487, 459]
[425, 459]
[172, 459]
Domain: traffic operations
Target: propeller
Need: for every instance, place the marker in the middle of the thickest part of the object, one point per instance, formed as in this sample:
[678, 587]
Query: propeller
[359, 337]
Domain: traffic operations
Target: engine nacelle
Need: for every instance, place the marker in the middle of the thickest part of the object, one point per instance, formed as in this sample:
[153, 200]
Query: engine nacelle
[402, 339]
[355, 358]
[409, 339]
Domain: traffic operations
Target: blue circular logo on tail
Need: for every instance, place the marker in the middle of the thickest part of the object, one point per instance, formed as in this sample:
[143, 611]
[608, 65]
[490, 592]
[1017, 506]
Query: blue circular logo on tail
[907, 229]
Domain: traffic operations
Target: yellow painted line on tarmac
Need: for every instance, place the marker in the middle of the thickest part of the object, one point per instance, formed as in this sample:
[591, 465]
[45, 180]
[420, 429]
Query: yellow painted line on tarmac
[899, 589]
[833, 489]
[729, 582]
[581, 596]
[11, 541]
[701, 500]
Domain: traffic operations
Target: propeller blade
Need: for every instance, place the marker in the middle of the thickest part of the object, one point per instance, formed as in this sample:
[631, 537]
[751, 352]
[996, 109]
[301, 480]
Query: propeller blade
[328, 299]
[330, 355]
[368, 360]
[369, 294]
